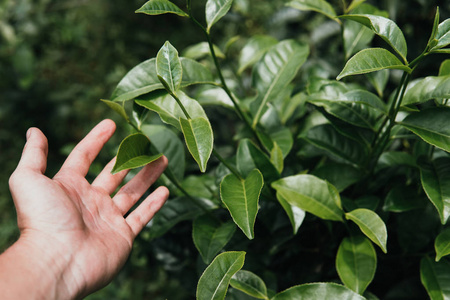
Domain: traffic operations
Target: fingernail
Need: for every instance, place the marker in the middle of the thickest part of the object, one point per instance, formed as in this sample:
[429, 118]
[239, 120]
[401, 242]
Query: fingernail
[29, 133]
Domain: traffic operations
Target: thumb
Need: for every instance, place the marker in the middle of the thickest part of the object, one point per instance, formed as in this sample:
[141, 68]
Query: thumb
[34, 155]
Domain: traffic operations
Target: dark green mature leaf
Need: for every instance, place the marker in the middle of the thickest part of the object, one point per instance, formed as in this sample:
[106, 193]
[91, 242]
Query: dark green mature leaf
[371, 60]
[199, 139]
[241, 197]
[210, 236]
[254, 50]
[213, 283]
[435, 177]
[356, 263]
[318, 291]
[428, 88]
[195, 73]
[404, 198]
[442, 244]
[215, 10]
[384, 28]
[338, 174]
[158, 7]
[295, 214]
[371, 225]
[275, 71]
[435, 277]
[432, 125]
[169, 144]
[250, 157]
[327, 138]
[168, 109]
[168, 67]
[394, 159]
[311, 194]
[249, 283]
[320, 6]
[134, 152]
[118, 108]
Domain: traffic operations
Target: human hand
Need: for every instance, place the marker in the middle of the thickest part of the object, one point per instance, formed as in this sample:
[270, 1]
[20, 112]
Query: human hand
[76, 226]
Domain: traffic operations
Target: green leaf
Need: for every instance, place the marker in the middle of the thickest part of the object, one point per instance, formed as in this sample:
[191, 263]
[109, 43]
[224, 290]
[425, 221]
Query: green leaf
[201, 50]
[379, 80]
[254, 50]
[118, 108]
[199, 139]
[327, 138]
[444, 69]
[432, 125]
[275, 71]
[384, 28]
[168, 109]
[168, 143]
[320, 6]
[134, 152]
[215, 10]
[403, 198]
[355, 4]
[195, 73]
[310, 194]
[432, 40]
[371, 60]
[295, 214]
[241, 197]
[371, 225]
[428, 88]
[356, 263]
[435, 277]
[276, 157]
[249, 283]
[213, 283]
[214, 96]
[338, 174]
[395, 159]
[210, 236]
[318, 291]
[158, 7]
[435, 177]
[250, 157]
[443, 35]
[442, 244]
[168, 67]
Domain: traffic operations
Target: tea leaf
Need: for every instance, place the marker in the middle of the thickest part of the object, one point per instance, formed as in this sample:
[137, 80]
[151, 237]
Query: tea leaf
[215, 10]
[318, 291]
[168, 67]
[320, 6]
[249, 283]
[442, 244]
[428, 88]
[158, 7]
[434, 277]
[295, 214]
[254, 50]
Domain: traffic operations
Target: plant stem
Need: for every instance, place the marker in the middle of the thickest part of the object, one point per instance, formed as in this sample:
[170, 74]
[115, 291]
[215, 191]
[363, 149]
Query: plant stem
[226, 164]
[180, 104]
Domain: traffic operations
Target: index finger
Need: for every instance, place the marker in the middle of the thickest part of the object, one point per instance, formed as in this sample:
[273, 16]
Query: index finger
[82, 156]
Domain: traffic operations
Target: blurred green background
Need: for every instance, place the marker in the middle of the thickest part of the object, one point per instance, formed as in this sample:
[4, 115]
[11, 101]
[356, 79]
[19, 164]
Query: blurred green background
[59, 58]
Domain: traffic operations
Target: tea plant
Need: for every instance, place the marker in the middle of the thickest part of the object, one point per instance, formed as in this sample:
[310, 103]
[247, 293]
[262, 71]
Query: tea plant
[342, 162]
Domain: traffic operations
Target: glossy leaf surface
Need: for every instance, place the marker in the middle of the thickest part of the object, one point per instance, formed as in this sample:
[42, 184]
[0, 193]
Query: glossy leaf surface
[442, 244]
[432, 125]
[210, 236]
[371, 225]
[199, 139]
[215, 10]
[356, 263]
[168, 67]
[241, 197]
[201, 50]
[435, 177]
[249, 283]
[295, 214]
[435, 277]
[428, 88]
[254, 50]
[371, 60]
[318, 291]
[134, 152]
[118, 108]
[443, 35]
[158, 7]
[310, 194]
[338, 174]
[213, 283]
[320, 6]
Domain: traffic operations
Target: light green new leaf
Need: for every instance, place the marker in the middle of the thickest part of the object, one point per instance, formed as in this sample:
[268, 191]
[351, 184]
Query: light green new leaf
[435, 277]
[384, 28]
[442, 244]
[168, 67]
[215, 10]
[443, 35]
[435, 179]
[444, 69]
[199, 139]
[274, 72]
[295, 214]
[371, 60]
[428, 88]
[311, 194]
[118, 108]
[432, 41]
[213, 283]
[249, 283]
[432, 125]
[158, 7]
[201, 50]
[254, 50]
[355, 4]
[210, 236]
[320, 6]
[276, 157]
[134, 152]
[241, 197]
[356, 263]
[371, 225]
[318, 291]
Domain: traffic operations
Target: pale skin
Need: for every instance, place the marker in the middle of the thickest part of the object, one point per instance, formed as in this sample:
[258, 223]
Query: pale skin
[73, 236]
